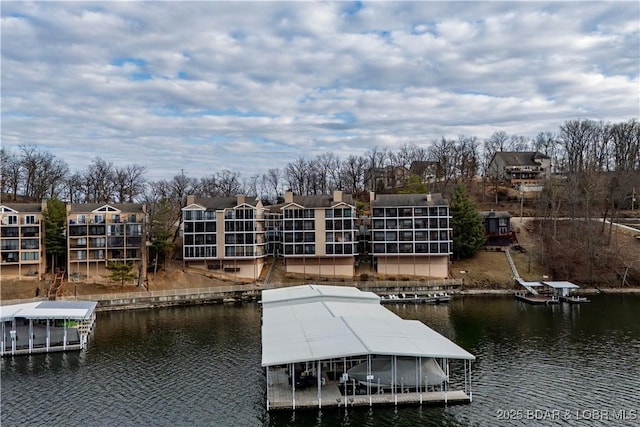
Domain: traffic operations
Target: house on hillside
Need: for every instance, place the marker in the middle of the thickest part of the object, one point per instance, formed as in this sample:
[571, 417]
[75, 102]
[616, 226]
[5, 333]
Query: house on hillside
[99, 233]
[224, 235]
[497, 230]
[411, 234]
[523, 170]
[22, 250]
[319, 234]
[386, 179]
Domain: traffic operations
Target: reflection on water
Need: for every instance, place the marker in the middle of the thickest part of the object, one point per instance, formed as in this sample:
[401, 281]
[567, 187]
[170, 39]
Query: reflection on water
[201, 366]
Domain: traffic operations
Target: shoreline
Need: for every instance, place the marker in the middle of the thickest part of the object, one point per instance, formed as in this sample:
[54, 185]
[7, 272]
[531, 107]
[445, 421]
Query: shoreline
[189, 297]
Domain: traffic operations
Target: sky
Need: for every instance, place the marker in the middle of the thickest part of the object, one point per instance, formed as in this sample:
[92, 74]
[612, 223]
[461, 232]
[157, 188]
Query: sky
[206, 86]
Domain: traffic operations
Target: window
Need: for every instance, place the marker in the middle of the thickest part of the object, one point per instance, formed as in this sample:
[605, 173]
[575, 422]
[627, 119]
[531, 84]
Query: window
[30, 219]
[12, 219]
[98, 219]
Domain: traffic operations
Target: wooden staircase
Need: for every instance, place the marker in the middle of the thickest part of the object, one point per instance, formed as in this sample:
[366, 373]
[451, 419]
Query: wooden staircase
[57, 283]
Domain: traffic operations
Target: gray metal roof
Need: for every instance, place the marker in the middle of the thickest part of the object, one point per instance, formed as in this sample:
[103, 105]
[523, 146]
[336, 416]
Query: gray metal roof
[312, 322]
[404, 200]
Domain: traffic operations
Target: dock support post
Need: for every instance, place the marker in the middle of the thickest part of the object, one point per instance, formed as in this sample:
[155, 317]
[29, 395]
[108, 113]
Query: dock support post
[293, 386]
[64, 336]
[48, 337]
[268, 379]
[30, 335]
[319, 378]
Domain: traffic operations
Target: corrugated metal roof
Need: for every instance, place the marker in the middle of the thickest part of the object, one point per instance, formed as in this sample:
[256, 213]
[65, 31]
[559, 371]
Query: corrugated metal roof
[77, 310]
[312, 322]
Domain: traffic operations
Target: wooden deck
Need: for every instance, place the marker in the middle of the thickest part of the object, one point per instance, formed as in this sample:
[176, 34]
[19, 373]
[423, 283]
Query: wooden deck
[281, 397]
[536, 299]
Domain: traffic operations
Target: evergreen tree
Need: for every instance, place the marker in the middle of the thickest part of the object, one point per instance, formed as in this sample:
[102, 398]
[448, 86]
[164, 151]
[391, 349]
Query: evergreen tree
[121, 271]
[55, 240]
[468, 232]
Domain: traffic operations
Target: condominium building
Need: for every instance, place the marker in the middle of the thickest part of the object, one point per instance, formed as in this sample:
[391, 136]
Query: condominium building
[22, 251]
[224, 235]
[319, 234]
[411, 234]
[101, 233]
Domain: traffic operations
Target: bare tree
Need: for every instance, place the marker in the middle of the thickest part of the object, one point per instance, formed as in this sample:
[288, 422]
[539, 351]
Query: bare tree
[352, 171]
[272, 182]
[11, 173]
[296, 175]
[228, 183]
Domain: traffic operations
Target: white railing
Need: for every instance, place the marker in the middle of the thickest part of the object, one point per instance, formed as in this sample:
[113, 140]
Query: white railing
[213, 290]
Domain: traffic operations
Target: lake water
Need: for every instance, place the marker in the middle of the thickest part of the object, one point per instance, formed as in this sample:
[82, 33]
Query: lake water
[194, 366]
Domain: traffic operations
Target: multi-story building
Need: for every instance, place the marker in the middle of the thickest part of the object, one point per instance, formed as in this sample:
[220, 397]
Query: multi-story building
[319, 234]
[99, 233]
[22, 251]
[524, 170]
[411, 234]
[224, 235]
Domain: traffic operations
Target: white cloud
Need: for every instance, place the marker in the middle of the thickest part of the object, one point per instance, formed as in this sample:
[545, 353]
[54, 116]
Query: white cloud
[248, 86]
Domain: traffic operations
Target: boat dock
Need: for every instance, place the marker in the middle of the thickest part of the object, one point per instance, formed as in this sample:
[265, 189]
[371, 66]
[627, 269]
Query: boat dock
[282, 396]
[45, 326]
[437, 298]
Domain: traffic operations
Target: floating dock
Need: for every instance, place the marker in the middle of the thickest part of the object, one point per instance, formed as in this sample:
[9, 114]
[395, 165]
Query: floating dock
[46, 326]
[337, 346]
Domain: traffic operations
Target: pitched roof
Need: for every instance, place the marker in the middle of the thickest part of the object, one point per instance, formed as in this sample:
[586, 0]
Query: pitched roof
[434, 199]
[495, 214]
[320, 201]
[90, 207]
[24, 207]
[520, 158]
[312, 322]
[220, 203]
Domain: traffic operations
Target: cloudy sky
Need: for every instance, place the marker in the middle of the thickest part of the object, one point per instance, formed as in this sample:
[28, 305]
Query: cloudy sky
[248, 86]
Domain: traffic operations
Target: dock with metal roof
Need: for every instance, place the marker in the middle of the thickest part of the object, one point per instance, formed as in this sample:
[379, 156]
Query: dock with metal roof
[320, 345]
[45, 326]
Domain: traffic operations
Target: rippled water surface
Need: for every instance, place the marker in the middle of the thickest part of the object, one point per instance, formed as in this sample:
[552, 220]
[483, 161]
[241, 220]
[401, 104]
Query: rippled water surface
[558, 365]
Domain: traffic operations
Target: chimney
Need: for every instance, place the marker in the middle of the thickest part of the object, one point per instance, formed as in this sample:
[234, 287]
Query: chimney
[288, 197]
[372, 196]
[241, 198]
[429, 199]
[191, 199]
[337, 196]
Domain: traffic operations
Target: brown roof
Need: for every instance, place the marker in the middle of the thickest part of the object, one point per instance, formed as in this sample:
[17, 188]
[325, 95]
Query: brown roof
[90, 207]
[24, 207]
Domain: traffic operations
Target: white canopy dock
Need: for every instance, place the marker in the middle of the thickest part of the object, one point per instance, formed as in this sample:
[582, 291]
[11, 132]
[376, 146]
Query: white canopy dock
[46, 326]
[313, 336]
